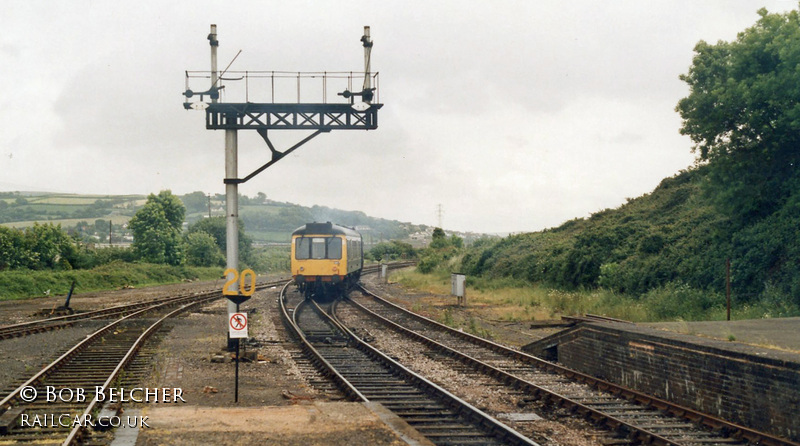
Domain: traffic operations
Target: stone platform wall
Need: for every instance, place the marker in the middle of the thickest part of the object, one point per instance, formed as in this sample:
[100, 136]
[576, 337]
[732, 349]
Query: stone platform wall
[751, 386]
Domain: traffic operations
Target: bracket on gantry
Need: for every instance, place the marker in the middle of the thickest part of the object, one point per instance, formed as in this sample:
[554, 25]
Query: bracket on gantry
[276, 154]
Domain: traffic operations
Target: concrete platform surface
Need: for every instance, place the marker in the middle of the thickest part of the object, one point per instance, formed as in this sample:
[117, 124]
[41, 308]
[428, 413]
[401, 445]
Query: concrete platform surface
[778, 333]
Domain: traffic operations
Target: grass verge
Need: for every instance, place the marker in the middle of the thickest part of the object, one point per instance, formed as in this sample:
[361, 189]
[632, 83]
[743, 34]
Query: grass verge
[507, 299]
[19, 284]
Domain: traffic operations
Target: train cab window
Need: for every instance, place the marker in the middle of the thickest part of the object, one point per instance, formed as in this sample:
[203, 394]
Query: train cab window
[302, 248]
[334, 248]
[318, 248]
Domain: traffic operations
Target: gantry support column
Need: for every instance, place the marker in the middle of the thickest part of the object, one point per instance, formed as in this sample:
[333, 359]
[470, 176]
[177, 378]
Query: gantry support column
[232, 206]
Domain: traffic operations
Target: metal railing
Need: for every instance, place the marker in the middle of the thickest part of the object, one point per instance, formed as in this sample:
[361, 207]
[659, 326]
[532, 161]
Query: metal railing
[285, 86]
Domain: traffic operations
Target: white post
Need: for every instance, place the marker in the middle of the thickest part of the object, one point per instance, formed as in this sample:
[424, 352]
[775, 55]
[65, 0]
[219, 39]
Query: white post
[231, 190]
[232, 207]
[214, 43]
[367, 51]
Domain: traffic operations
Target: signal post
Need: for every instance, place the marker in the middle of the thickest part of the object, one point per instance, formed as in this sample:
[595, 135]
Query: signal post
[255, 109]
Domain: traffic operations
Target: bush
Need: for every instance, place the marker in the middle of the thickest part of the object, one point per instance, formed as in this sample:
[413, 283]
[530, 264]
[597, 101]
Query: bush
[678, 300]
[202, 250]
[391, 251]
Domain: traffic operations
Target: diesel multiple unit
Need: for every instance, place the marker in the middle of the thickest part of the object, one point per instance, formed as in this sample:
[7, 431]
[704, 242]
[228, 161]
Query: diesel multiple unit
[326, 259]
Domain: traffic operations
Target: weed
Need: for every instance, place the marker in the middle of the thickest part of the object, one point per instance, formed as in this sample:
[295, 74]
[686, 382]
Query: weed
[447, 319]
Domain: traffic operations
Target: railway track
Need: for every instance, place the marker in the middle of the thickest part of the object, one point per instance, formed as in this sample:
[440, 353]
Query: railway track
[635, 416]
[44, 409]
[112, 358]
[365, 374]
[58, 322]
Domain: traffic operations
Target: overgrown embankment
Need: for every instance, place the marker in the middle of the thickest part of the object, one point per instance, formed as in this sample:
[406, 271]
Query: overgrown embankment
[666, 249]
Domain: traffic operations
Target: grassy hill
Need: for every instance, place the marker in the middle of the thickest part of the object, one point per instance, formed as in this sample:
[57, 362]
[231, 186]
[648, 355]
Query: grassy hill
[666, 249]
[266, 221]
[23, 209]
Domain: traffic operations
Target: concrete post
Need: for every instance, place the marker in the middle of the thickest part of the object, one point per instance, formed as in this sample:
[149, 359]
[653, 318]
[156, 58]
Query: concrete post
[232, 206]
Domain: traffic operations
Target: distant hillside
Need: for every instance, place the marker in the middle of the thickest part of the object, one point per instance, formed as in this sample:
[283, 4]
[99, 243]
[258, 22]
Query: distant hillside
[672, 240]
[24, 208]
[266, 221]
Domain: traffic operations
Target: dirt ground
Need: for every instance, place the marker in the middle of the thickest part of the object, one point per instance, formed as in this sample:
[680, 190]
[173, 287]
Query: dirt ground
[276, 405]
[317, 423]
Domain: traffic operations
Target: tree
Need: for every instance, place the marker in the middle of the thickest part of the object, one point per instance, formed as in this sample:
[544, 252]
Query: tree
[743, 115]
[195, 202]
[156, 229]
[438, 238]
[173, 207]
[218, 229]
[392, 250]
[52, 247]
[13, 252]
[43, 246]
[202, 250]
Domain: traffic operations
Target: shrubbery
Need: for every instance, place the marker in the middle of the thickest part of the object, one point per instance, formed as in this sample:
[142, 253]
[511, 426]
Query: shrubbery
[392, 250]
[666, 249]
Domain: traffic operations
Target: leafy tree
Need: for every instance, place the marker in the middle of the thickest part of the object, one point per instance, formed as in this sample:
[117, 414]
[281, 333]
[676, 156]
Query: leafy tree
[202, 250]
[440, 251]
[392, 250]
[743, 115]
[217, 228]
[438, 239]
[13, 252]
[52, 247]
[195, 202]
[156, 229]
[174, 210]
[44, 246]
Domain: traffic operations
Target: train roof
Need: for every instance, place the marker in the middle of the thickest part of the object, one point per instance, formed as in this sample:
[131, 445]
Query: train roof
[324, 229]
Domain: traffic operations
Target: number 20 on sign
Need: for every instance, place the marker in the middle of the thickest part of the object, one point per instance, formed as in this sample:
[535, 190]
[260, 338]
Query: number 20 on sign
[233, 277]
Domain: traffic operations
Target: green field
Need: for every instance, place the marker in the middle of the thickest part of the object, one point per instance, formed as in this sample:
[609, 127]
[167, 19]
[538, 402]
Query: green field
[67, 222]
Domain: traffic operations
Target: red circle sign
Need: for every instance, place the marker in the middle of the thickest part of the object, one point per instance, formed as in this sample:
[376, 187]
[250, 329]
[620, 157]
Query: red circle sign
[238, 321]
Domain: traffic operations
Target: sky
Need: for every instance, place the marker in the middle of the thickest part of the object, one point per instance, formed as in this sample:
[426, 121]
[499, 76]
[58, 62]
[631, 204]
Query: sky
[512, 115]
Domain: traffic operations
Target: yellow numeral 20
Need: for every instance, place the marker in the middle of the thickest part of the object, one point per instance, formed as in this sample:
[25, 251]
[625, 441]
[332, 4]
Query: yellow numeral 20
[226, 291]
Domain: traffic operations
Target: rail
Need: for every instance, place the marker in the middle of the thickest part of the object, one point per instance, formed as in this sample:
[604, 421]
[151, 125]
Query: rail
[737, 431]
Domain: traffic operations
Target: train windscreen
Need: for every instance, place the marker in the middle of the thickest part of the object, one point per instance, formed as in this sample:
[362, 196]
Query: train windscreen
[318, 248]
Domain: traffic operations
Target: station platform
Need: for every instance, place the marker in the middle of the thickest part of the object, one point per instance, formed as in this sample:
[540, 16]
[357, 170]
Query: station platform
[775, 334]
[746, 372]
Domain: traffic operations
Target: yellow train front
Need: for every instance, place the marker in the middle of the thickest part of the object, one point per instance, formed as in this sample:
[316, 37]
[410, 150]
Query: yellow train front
[326, 259]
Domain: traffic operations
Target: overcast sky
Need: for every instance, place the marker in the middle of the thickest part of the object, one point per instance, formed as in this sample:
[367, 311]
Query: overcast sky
[513, 115]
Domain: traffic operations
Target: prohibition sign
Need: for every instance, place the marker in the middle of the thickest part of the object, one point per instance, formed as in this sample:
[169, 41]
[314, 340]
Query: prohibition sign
[238, 325]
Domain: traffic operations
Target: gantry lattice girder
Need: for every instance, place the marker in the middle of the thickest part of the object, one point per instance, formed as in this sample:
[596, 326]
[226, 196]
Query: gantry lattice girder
[235, 116]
